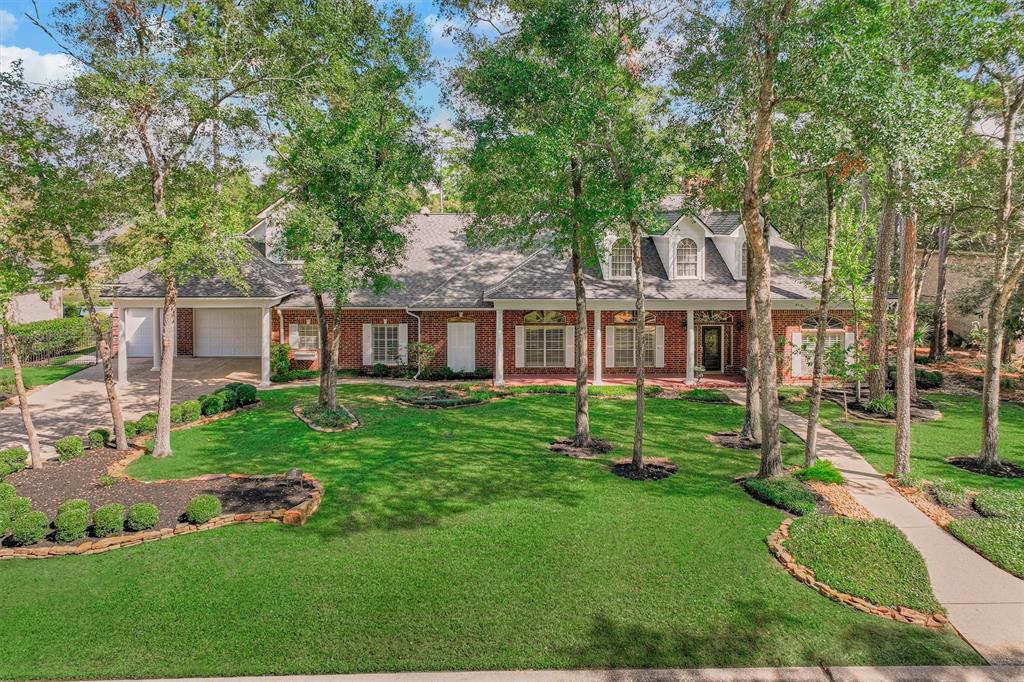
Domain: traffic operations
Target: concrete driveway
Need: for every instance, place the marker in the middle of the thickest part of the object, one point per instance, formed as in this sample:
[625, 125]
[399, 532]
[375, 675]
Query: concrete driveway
[78, 403]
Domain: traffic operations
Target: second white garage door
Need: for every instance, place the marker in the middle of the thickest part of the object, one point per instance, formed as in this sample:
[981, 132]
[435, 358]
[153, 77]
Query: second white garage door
[227, 332]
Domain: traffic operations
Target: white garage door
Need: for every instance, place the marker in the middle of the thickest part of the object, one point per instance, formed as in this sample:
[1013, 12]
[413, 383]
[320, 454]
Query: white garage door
[227, 332]
[138, 332]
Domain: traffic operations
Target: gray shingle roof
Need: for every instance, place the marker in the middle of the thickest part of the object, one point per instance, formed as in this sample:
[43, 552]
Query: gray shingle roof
[721, 222]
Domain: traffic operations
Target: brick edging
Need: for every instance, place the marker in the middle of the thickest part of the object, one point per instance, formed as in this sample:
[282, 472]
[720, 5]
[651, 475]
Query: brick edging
[354, 424]
[776, 543]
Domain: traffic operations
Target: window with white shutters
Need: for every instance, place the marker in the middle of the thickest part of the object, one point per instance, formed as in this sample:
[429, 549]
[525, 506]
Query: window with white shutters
[385, 343]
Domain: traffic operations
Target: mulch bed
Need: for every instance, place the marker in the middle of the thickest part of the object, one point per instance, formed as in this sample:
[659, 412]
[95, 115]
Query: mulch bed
[301, 414]
[655, 469]
[732, 439]
[837, 500]
[921, 409]
[1002, 470]
[597, 448]
[58, 482]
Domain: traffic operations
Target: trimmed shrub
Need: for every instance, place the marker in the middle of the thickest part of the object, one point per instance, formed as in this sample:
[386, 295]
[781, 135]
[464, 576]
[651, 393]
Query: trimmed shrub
[230, 398]
[822, 470]
[30, 528]
[176, 414]
[191, 411]
[11, 510]
[949, 493]
[294, 375]
[69, 447]
[246, 395]
[73, 505]
[13, 460]
[108, 520]
[784, 492]
[279, 358]
[212, 404]
[71, 525]
[142, 516]
[928, 379]
[147, 423]
[202, 508]
[131, 429]
[98, 439]
[7, 492]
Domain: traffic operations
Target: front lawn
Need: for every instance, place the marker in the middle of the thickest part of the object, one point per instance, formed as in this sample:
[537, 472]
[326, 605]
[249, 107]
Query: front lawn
[451, 539]
[43, 375]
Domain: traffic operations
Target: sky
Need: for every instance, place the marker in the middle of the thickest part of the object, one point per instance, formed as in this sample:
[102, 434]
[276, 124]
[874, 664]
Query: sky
[43, 61]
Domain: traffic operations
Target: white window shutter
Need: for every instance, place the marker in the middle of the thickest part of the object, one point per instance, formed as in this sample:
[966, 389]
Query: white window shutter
[520, 345]
[797, 369]
[609, 346]
[293, 335]
[570, 345]
[403, 343]
[367, 344]
[659, 346]
[849, 347]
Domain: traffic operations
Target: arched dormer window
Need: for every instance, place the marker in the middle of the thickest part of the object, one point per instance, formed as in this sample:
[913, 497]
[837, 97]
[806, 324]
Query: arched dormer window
[744, 257]
[622, 260]
[686, 258]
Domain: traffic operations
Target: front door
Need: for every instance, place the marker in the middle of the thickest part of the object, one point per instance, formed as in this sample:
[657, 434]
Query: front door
[711, 345]
[462, 346]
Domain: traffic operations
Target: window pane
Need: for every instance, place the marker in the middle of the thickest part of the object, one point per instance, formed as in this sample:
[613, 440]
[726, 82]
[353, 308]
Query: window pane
[622, 260]
[554, 353]
[385, 343]
[307, 337]
[649, 349]
[534, 351]
[686, 258]
[624, 347]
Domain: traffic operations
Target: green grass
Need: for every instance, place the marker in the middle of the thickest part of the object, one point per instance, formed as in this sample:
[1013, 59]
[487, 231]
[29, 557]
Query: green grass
[1001, 541]
[836, 549]
[1001, 503]
[44, 375]
[451, 539]
[706, 395]
[957, 433]
[784, 492]
[823, 471]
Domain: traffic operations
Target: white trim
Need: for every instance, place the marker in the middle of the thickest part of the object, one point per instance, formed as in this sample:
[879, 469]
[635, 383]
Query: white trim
[609, 347]
[265, 347]
[226, 302]
[569, 345]
[691, 350]
[520, 346]
[656, 304]
[659, 345]
[597, 349]
[499, 347]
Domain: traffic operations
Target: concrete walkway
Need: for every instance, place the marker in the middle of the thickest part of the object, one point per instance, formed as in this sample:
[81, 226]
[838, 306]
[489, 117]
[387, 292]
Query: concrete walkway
[985, 603]
[78, 403]
[832, 674]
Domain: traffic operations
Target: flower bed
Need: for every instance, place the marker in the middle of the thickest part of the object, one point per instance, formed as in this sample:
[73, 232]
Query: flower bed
[442, 398]
[328, 421]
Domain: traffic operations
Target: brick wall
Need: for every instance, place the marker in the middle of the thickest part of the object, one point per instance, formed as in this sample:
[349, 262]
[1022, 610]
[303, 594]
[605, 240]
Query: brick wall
[185, 317]
[514, 318]
[784, 323]
[435, 331]
[674, 322]
[351, 345]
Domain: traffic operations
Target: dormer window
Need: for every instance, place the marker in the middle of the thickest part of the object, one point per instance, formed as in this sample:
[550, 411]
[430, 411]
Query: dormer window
[686, 258]
[744, 257]
[622, 260]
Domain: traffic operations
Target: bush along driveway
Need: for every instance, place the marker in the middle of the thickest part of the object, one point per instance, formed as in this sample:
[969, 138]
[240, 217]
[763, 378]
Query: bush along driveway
[448, 540]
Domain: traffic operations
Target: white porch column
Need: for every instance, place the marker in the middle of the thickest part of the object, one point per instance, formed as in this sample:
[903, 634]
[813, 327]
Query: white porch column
[158, 327]
[265, 348]
[691, 351]
[598, 354]
[122, 350]
[499, 347]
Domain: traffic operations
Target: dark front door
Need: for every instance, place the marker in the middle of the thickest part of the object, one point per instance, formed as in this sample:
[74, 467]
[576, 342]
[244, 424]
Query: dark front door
[711, 344]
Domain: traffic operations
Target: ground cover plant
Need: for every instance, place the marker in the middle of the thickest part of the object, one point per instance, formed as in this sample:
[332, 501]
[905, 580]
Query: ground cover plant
[1000, 540]
[784, 492]
[706, 395]
[524, 552]
[325, 417]
[835, 548]
[823, 471]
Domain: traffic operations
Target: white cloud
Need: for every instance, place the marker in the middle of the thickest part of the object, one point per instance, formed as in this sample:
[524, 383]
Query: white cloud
[8, 24]
[440, 34]
[39, 68]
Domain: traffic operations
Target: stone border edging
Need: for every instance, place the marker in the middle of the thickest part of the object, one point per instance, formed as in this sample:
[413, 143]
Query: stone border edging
[805, 575]
[354, 424]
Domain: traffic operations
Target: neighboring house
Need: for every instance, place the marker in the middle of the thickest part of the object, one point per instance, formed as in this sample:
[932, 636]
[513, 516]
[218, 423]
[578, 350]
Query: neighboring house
[34, 308]
[494, 308]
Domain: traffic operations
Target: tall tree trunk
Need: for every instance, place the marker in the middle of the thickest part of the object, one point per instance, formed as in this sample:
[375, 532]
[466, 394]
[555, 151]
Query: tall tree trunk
[582, 437]
[990, 388]
[328, 395]
[832, 226]
[939, 317]
[906, 320]
[639, 343]
[162, 440]
[878, 351]
[116, 415]
[752, 414]
[35, 452]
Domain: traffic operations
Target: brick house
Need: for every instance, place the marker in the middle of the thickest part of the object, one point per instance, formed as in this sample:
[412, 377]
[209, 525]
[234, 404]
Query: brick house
[511, 313]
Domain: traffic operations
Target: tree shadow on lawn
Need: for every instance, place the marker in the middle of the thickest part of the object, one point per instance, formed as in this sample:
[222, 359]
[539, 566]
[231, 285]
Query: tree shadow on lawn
[756, 630]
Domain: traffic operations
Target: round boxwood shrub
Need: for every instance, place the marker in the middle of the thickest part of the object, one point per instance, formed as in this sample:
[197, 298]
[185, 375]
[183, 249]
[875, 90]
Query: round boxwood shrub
[13, 460]
[212, 404]
[230, 398]
[98, 439]
[73, 505]
[71, 525]
[69, 447]
[147, 423]
[142, 516]
[108, 520]
[176, 414]
[11, 510]
[131, 429]
[7, 492]
[246, 394]
[202, 508]
[30, 528]
[191, 411]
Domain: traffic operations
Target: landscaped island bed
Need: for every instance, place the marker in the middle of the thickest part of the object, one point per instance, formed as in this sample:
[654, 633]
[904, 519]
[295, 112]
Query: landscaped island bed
[452, 539]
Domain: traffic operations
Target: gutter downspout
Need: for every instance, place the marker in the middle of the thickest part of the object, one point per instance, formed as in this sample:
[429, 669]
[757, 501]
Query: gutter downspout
[419, 328]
